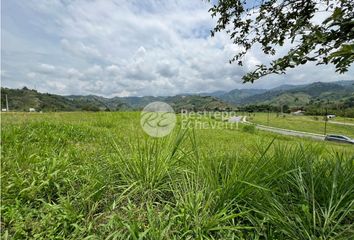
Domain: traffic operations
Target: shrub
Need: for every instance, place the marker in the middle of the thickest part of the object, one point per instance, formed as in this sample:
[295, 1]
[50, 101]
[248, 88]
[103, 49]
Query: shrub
[249, 128]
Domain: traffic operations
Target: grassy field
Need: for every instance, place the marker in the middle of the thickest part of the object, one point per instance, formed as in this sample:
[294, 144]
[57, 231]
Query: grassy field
[303, 123]
[344, 120]
[99, 176]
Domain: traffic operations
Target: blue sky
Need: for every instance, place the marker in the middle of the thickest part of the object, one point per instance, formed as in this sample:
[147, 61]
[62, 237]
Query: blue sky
[127, 48]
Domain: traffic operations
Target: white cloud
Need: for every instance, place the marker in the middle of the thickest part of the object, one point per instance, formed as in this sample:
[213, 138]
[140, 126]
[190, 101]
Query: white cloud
[80, 49]
[124, 93]
[74, 73]
[128, 47]
[31, 75]
[46, 68]
[112, 69]
[2, 73]
[94, 70]
[166, 69]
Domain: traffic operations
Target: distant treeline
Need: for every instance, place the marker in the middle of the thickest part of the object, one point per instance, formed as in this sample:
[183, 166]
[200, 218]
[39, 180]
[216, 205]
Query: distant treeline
[343, 108]
[25, 99]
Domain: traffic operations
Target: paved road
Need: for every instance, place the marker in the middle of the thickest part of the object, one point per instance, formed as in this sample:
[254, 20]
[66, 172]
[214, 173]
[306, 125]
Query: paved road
[341, 123]
[286, 131]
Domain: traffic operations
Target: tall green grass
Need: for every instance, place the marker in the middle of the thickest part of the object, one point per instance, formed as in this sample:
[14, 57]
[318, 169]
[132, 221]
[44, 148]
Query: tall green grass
[65, 181]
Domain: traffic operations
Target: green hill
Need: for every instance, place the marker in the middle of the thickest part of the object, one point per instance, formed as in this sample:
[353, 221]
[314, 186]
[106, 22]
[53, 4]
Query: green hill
[293, 95]
[236, 96]
[23, 99]
[338, 94]
[198, 103]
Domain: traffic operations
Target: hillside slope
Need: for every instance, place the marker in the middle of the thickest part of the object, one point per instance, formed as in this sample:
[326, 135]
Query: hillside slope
[23, 99]
[294, 95]
[290, 95]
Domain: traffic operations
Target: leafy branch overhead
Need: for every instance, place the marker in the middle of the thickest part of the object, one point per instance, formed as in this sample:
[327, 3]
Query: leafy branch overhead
[272, 23]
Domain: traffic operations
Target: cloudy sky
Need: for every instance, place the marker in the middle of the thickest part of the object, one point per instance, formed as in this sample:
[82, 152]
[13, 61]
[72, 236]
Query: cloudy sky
[127, 48]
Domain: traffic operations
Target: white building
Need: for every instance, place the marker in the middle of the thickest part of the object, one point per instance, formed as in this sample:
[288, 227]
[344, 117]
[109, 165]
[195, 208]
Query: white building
[298, 112]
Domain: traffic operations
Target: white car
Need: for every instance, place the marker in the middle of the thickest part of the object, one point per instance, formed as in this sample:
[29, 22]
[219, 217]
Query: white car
[339, 138]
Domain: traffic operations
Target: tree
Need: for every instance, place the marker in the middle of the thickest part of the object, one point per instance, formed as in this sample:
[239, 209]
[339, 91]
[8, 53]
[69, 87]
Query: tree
[286, 108]
[272, 23]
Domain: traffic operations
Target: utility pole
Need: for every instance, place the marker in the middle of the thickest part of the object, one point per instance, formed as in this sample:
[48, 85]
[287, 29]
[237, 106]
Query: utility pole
[326, 119]
[268, 115]
[7, 104]
[344, 114]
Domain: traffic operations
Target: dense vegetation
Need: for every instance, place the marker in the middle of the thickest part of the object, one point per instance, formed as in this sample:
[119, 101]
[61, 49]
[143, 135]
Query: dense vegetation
[344, 108]
[315, 98]
[23, 99]
[98, 176]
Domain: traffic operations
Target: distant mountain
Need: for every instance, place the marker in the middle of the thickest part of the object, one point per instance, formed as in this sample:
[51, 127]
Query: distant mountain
[99, 102]
[197, 103]
[292, 95]
[139, 102]
[236, 96]
[23, 99]
[345, 83]
[287, 87]
[213, 94]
